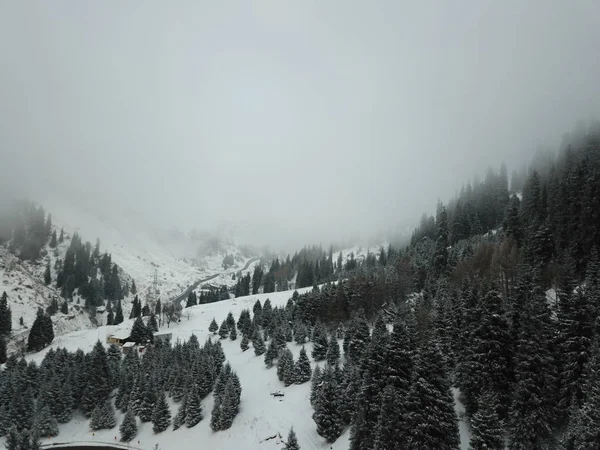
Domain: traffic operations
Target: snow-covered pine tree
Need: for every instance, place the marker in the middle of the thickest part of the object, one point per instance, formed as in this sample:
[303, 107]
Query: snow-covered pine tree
[128, 427]
[258, 344]
[300, 333]
[223, 330]
[113, 356]
[432, 421]
[535, 374]
[363, 431]
[320, 344]
[292, 441]
[357, 338]
[486, 428]
[233, 333]
[45, 424]
[237, 392]
[327, 413]
[161, 416]
[193, 412]
[180, 417]
[284, 355]
[484, 366]
[271, 354]
[244, 343]
[584, 429]
[140, 333]
[302, 369]
[288, 371]
[13, 439]
[315, 386]
[213, 327]
[333, 351]
[147, 407]
[103, 417]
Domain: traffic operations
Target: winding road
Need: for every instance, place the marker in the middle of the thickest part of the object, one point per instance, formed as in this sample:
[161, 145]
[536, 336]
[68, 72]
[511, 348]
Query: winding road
[177, 299]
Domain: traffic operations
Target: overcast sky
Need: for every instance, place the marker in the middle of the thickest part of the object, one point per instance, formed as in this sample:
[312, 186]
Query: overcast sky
[297, 120]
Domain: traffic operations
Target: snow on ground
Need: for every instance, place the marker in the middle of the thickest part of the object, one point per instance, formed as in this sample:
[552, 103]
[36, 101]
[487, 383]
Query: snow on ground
[360, 252]
[261, 415]
[22, 282]
[137, 251]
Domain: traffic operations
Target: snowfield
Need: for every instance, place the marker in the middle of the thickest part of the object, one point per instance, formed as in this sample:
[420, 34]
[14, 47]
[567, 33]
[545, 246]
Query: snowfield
[263, 420]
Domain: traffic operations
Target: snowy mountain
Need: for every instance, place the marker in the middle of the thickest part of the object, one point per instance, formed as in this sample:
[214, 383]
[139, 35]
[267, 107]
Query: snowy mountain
[133, 248]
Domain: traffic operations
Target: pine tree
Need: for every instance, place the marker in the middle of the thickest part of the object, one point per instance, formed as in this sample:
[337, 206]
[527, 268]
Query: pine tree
[271, 354]
[363, 432]
[535, 375]
[584, 428]
[487, 356]
[193, 408]
[103, 417]
[223, 330]
[258, 344]
[128, 427]
[285, 367]
[13, 439]
[333, 351]
[2, 350]
[292, 441]
[146, 408]
[161, 416]
[47, 274]
[357, 338]
[45, 424]
[53, 240]
[118, 313]
[213, 327]
[300, 333]
[440, 256]
[140, 333]
[41, 333]
[302, 369]
[320, 344]
[233, 334]
[576, 331]
[180, 417]
[327, 415]
[431, 421]
[245, 343]
[153, 323]
[5, 315]
[315, 386]
[486, 427]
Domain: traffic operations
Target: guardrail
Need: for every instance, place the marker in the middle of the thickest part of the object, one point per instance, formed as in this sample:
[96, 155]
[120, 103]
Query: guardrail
[115, 445]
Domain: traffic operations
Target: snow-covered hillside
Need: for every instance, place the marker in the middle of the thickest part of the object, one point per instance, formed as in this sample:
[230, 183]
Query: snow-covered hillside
[261, 416]
[23, 283]
[138, 252]
[133, 249]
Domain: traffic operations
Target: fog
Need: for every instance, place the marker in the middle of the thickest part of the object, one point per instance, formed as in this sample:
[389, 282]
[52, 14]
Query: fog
[294, 122]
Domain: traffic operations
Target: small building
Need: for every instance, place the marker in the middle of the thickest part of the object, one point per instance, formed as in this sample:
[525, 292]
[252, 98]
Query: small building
[118, 338]
[128, 346]
[163, 337]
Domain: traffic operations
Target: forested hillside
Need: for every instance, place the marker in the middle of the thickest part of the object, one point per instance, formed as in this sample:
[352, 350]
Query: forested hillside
[504, 288]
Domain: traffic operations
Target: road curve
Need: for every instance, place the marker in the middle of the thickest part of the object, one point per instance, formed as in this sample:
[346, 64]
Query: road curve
[177, 299]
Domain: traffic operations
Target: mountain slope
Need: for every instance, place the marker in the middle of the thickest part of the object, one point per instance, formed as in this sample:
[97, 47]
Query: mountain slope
[262, 418]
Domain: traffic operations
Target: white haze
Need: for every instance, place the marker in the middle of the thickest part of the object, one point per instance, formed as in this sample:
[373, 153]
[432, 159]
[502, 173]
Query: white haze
[295, 122]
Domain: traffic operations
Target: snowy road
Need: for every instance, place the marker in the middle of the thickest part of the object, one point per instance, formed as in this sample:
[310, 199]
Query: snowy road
[178, 299]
